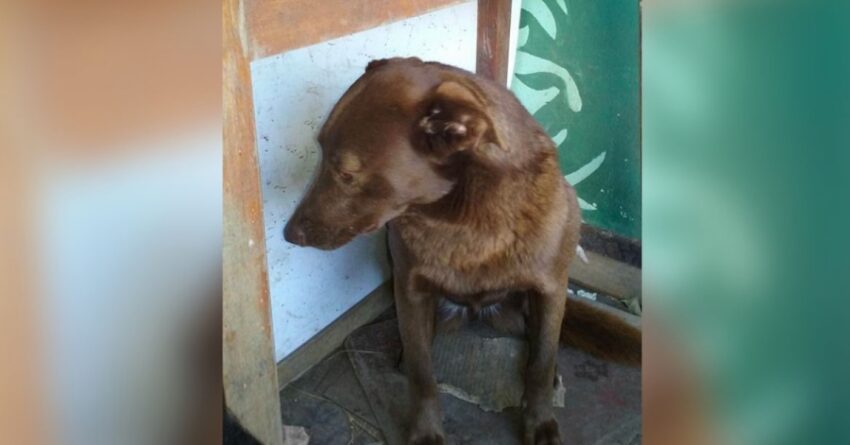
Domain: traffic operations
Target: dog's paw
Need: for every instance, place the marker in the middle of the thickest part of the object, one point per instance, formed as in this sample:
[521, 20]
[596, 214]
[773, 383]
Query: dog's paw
[427, 439]
[427, 428]
[544, 433]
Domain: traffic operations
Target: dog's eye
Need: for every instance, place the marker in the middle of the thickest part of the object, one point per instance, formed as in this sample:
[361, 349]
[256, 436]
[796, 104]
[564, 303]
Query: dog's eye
[346, 177]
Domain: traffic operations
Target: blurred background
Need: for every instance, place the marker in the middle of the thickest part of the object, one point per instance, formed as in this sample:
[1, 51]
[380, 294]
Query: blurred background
[110, 177]
[111, 167]
[746, 109]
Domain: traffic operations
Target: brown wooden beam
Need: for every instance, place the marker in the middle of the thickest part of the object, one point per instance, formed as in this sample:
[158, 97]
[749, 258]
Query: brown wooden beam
[274, 26]
[611, 244]
[602, 274]
[249, 371]
[494, 29]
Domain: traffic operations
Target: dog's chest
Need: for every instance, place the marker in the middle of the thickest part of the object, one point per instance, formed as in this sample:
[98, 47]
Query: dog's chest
[454, 247]
[463, 265]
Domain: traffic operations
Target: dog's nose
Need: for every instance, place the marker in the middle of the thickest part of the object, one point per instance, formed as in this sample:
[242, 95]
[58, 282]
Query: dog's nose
[294, 233]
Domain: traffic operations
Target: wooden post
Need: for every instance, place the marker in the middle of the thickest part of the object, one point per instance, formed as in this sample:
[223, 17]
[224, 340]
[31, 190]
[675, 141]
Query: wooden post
[494, 26]
[249, 374]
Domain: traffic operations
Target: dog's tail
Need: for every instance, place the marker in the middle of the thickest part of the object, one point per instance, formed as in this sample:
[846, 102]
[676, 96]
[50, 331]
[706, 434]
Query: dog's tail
[600, 333]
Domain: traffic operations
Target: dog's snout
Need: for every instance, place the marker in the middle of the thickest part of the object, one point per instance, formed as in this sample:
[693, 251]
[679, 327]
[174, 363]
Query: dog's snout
[294, 233]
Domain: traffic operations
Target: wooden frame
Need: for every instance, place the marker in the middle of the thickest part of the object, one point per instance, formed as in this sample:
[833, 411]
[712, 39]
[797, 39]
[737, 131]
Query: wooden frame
[275, 26]
[249, 374]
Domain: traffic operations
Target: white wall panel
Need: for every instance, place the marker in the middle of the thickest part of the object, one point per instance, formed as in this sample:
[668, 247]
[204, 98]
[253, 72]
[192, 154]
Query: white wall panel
[293, 93]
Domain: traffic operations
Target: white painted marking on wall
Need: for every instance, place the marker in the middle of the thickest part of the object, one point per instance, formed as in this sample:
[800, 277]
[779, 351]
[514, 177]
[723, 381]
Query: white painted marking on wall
[584, 205]
[530, 64]
[562, 5]
[582, 173]
[559, 138]
[543, 15]
[534, 100]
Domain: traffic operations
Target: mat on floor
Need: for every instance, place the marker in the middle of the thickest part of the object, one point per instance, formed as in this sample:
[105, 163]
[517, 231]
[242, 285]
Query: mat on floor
[480, 379]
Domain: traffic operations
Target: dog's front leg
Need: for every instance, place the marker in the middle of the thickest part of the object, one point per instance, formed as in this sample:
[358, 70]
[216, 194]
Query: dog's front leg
[416, 313]
[545, 315]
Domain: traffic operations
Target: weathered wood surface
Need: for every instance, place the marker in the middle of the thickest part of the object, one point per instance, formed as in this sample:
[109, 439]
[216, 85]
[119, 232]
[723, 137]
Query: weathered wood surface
[602, 274]
[494, 29]
[275, 26]
[249, 374]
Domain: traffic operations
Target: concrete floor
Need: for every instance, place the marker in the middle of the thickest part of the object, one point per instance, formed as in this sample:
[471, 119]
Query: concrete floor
[358, 394]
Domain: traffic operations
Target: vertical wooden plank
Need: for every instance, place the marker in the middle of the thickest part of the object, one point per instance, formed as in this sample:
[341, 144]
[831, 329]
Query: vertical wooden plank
[249, 374]
[494, 25]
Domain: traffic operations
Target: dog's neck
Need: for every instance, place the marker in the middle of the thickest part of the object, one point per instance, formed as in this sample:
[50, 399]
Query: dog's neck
[481, 190]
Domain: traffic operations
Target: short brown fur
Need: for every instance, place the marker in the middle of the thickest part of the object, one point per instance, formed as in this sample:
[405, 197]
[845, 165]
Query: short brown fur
[481, 223]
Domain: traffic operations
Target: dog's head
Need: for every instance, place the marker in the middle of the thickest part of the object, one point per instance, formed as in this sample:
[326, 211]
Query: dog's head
[386, 146]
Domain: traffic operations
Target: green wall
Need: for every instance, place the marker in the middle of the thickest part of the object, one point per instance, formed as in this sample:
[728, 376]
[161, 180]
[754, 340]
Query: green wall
[577, 70]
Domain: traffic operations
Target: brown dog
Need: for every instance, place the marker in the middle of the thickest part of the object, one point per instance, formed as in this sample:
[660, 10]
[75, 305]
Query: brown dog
[481, 222]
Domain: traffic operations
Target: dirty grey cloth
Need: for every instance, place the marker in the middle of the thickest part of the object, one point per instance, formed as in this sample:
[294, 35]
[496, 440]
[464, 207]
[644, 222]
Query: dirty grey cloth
[479, 366]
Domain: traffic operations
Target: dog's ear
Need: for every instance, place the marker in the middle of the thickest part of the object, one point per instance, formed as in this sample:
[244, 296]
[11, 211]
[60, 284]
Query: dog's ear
[377, 63]
[455, 119]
